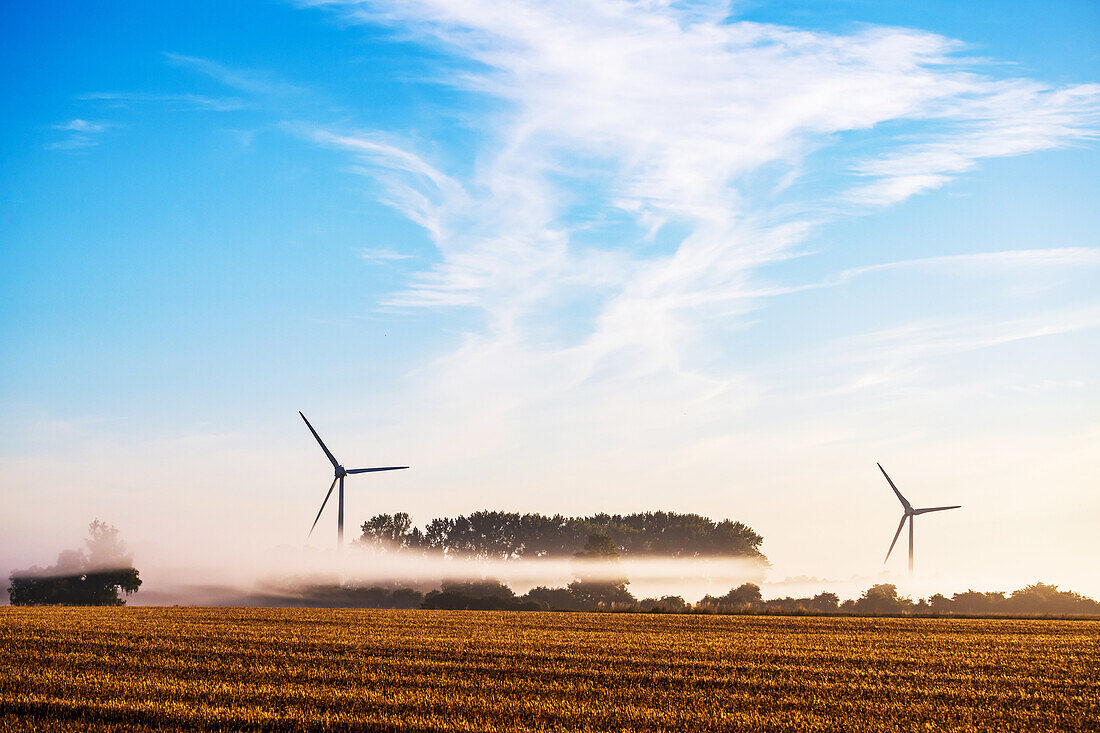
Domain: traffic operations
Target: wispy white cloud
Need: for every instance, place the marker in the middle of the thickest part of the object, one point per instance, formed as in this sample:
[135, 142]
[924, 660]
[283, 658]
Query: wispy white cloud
[934, 338]
[415, 188]
[82, 134]
[910, 363]
[254, 90]
[1058, 257]
[382, 255]
[244, 80]
[1030, 262]
[177, 101]
[1007, 118]
[79, 125]
[72, 144]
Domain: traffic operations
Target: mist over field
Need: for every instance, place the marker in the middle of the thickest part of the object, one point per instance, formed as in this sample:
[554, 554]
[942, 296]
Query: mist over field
[285, 570]
[279, 576]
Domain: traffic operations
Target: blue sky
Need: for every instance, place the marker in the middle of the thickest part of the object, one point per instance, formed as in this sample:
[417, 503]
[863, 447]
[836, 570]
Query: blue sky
[593, 256]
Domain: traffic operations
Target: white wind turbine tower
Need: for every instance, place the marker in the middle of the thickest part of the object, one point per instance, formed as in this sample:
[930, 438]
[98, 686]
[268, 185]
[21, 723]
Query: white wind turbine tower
[910, 512]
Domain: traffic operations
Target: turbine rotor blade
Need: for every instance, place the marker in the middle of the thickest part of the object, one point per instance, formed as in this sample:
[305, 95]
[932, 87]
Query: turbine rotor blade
[905, 503]
[896, 535]
[372, 470]
[335, 463]
[936, 509]
[330, 488]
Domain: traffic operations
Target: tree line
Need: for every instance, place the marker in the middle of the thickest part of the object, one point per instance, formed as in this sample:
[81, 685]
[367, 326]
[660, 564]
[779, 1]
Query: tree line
[1038, 599]
[1033, 600]
[508, 535]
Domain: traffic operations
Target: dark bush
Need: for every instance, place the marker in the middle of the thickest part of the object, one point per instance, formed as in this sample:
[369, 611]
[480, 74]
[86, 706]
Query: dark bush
[476, 595]
[554, 599]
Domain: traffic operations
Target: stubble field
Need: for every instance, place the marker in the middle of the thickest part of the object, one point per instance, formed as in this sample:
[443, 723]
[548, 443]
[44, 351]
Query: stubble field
[293, 669]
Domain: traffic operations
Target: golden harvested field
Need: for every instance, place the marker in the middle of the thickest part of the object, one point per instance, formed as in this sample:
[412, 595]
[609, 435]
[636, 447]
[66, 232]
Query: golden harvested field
[263, 669]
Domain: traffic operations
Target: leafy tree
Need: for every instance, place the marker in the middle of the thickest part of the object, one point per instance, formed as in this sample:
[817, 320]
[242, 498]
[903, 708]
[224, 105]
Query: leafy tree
[495, 535]
[745, 597]
[666, 604]
[487, 588]
[825, 603]
[597, 594]
[882, 598]
[746, 594]
[599, 547]
[105, 548]
[437, 534]
[976, 602]
[556, 536]
[388, 532]
[92, 578]
[940, 603]
[786, 605]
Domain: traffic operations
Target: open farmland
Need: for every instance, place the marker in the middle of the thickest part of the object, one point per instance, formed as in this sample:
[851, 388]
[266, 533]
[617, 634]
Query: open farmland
[175, 668]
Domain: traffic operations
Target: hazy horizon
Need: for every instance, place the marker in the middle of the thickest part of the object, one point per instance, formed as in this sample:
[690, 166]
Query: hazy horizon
[581, 257]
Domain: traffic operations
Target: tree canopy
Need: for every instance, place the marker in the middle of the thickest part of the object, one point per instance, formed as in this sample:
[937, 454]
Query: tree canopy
[1039, 598]
[506, 535]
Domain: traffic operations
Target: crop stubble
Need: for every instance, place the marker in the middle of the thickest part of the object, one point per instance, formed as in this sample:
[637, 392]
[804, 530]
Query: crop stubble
[230, 669]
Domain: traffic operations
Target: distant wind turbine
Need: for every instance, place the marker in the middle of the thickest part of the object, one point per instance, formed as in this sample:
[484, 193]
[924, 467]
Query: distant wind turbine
[340, 473]
[910, 512]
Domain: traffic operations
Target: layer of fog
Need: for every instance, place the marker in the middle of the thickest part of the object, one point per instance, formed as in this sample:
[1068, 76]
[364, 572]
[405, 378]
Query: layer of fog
[289, 570]
[285, 573]
[208, 575]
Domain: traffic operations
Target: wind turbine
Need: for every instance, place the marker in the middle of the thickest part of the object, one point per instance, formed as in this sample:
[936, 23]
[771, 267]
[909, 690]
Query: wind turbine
[341, 472]
[910, 512]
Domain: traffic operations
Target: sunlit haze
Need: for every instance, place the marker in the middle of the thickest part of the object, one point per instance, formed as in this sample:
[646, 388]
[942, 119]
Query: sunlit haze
[568, 257]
